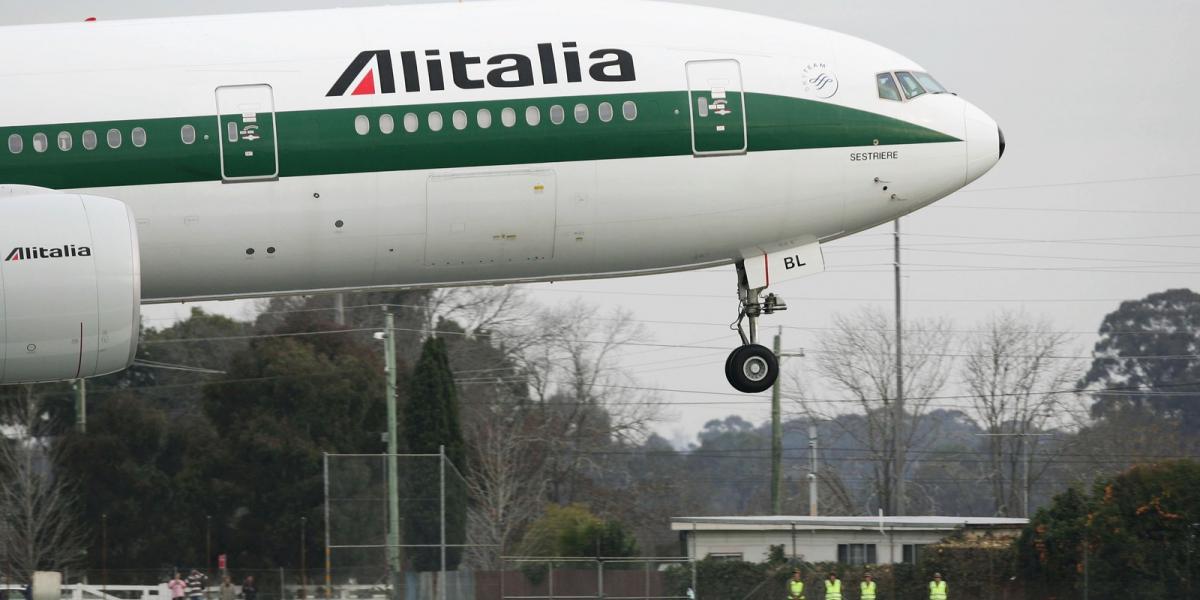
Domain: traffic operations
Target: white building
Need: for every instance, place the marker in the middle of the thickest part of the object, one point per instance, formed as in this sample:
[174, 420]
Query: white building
[850, 540]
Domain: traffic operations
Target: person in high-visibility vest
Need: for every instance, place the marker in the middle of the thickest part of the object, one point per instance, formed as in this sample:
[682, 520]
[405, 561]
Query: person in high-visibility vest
[795, 586]
[866, 589]
[937, 588]
[833, 588]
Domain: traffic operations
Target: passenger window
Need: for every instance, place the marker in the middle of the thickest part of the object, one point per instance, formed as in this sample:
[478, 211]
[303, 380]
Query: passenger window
[16, 143]
[912, 88]
[459, 119]
[362, 125]
[533, 116]
[508, 117]
[702, 107]
[114, 137]
[629, 110]
[581, 113]
[484, 118]
[929, 83]
[557, 115]
[65, 141]
[138, 137]
[435, 121]
[230, 129]
[40, 142]
[411, 123]
[188, 134]
[90, 141]
[887, 87]
[605, 112]
[387, 124]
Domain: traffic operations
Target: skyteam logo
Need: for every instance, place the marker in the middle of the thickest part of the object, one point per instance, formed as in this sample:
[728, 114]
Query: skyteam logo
[37, 252]
[819, 80]
[375, 71]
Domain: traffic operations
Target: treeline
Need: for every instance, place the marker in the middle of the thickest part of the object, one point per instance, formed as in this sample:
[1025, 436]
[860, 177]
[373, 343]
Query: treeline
[213, 441]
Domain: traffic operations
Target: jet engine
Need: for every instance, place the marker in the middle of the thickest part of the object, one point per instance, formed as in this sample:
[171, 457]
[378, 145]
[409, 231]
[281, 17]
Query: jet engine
[70, 285]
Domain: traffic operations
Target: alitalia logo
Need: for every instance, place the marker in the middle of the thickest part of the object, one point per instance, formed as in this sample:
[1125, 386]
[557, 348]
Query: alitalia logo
[375, 72]
[36, 252]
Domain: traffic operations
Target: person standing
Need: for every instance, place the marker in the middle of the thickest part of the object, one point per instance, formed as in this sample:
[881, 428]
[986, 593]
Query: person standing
[866, 589]
[795, 586]
[937, 588]
[196, 584]
[228, 591]
[833, 587]
[249, 590]
[177, 586]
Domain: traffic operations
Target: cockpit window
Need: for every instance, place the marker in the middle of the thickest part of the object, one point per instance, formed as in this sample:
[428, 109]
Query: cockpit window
[912, 87]
[929, 83]
[887, 87]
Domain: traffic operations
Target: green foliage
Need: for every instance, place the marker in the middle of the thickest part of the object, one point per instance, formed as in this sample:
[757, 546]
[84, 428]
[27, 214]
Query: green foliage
[1139, 529]
[1162, 324]
[718, 579]
[608, 539]
[573, 531]
[776, 555]
[284, 402]
[430, 421]
[976, 568]
[136, 466]
[1048, 551]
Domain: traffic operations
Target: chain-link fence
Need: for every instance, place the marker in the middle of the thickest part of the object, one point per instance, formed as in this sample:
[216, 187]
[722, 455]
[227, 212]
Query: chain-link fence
[624, 578]
[396, 524]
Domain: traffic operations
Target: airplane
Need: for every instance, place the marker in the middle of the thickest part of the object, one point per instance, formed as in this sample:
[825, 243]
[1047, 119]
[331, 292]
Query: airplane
[419, 146]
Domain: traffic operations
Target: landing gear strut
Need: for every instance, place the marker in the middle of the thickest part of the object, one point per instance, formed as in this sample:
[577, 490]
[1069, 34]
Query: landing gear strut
[752, 368]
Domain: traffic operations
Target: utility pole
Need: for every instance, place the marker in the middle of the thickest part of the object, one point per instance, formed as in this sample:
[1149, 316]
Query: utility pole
[303, 560]
[898, 415]
[103, 552]
[208, 546]
[776, 439]
[812, 469]
[777, 431]
[393, 447]
[81, 405]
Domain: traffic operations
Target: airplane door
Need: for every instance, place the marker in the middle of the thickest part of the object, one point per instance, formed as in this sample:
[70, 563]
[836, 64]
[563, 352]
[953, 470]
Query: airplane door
[718, 107]
[249, 143]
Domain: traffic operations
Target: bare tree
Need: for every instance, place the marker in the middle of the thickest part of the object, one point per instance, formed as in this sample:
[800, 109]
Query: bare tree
[537, 407]
[38, 511]
[857, 358]
[586, 399]
[1009, 370]
[479, 309]
[507, 482]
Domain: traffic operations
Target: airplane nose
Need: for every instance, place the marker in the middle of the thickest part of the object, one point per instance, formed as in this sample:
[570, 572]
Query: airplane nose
[985, 143]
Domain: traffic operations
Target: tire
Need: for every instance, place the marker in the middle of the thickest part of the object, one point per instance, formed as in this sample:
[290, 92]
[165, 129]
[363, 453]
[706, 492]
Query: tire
[752, 369]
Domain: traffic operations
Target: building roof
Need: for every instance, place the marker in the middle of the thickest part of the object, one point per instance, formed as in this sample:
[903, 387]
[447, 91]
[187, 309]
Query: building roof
[842, 523]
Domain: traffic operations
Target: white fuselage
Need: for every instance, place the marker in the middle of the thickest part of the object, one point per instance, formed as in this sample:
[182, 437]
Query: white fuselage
[354, 210]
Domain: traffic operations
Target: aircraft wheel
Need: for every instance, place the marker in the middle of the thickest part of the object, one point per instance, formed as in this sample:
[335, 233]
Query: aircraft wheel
[752, 368]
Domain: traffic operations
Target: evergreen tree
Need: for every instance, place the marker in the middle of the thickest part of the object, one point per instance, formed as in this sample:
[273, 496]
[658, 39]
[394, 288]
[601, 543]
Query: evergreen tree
[1139, 529]
[429, 421]
[1162, 324]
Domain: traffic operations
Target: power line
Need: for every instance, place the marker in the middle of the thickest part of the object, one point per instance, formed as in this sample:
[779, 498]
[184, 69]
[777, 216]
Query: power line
[1107, 211]
[1081, 182]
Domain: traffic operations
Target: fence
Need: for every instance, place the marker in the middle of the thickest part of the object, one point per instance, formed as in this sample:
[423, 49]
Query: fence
[398, 523]
[623, 578]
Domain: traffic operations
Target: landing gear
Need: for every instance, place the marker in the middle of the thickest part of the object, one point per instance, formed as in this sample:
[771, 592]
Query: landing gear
[752, 368]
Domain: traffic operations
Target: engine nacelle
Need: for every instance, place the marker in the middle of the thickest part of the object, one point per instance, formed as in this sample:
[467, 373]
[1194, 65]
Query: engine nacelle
[70, 286]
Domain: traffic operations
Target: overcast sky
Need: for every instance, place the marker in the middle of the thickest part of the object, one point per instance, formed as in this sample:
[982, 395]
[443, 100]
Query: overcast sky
[1099, 96]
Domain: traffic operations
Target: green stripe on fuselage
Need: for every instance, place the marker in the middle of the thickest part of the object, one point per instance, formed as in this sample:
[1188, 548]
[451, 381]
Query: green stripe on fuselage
[323, 142]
